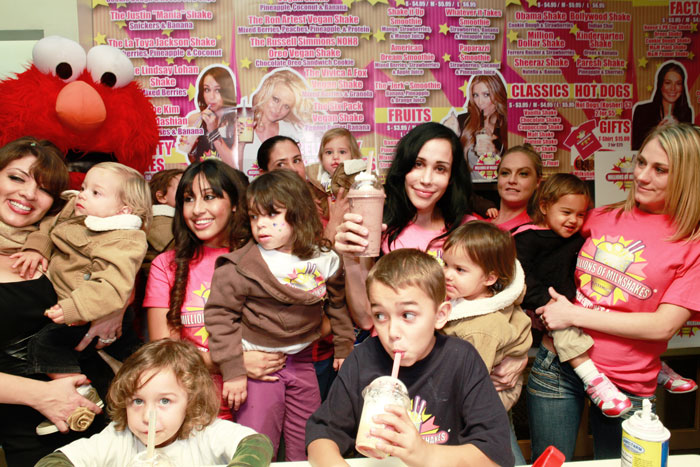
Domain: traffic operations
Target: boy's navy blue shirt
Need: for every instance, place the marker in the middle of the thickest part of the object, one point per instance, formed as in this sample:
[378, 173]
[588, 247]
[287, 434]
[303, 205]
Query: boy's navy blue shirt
[453, 400]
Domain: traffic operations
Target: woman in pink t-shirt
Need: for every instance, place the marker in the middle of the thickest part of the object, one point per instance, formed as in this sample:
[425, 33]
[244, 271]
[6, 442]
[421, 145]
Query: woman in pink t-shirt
[519, 175]
[211, 219]
[428, 194]
[636, 286]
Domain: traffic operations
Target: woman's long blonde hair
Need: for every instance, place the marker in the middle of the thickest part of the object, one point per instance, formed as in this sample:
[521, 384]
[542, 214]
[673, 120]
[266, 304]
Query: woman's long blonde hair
[681, 142]
[301, 112]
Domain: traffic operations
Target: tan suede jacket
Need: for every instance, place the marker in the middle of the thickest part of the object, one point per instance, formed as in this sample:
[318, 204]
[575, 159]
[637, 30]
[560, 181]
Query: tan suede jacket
[496, 326]
[92, 261]
[160, 234]
[247, 301]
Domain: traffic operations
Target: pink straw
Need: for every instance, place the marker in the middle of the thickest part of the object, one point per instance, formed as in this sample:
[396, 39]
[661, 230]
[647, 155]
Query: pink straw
[397, 364]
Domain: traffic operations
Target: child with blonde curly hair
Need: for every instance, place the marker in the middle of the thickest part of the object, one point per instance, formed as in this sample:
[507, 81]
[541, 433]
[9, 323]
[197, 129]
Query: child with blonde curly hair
[169, 378]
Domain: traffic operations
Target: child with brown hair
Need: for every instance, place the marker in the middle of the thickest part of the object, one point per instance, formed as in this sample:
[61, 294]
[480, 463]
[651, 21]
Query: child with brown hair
[547, 249]
[163, 186]
[271, 295]
[485, 285]
[169, 378]
[93, 250]
[455, 416]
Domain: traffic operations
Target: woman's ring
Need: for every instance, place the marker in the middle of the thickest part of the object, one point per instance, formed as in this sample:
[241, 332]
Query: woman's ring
[107, 341]
[87, 334]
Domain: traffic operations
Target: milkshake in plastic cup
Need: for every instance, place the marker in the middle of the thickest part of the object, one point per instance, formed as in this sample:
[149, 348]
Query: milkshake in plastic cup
[158, 460]
[379, 393]
[615, 255]
[482, 138]
[246, 117]
[366, 197]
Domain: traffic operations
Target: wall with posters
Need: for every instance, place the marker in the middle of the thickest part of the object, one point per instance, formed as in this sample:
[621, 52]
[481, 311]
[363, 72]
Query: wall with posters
[582, 81]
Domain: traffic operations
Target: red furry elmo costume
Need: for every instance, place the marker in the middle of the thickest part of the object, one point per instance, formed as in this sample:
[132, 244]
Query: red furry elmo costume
[83, 103]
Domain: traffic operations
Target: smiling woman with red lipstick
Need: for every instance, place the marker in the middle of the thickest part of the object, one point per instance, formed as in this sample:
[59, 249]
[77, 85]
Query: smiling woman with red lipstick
[32, 177]
[636, 273]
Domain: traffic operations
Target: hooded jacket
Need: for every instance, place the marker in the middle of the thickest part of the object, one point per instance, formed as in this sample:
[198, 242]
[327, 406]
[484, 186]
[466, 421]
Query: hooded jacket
[248, 302]
[93, 261]
[496, 326]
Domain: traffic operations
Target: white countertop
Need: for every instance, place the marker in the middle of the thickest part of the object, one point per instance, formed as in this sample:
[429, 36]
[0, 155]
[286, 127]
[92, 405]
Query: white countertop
[685, 460]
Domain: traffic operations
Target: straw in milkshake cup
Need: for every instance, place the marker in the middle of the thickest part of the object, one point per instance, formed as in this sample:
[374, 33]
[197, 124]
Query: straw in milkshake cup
[397, 364]
[151, 447]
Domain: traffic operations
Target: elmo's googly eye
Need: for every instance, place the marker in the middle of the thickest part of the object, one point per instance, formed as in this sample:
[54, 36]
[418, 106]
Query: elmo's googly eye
[60, 57]
[109, 66]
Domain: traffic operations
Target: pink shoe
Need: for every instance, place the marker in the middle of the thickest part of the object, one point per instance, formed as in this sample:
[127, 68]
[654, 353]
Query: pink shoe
[673, 382]
[607, 397]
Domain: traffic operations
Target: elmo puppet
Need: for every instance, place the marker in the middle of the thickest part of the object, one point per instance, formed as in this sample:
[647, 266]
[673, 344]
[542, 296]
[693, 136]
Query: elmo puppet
[86, 104]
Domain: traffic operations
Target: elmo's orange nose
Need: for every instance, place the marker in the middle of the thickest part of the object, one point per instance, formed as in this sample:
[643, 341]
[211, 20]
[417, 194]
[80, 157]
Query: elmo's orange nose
[80, 107]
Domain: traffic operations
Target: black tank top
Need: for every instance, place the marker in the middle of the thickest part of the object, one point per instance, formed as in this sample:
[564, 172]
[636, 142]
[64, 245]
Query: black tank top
[22, 306]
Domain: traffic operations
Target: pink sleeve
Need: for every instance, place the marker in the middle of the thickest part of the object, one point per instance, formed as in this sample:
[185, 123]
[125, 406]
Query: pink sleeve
[592, 216]
[682, 291]
[160, 280]
[472, 217]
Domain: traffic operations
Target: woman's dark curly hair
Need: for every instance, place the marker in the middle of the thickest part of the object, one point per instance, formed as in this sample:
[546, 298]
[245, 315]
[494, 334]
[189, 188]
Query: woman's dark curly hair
[453, 205]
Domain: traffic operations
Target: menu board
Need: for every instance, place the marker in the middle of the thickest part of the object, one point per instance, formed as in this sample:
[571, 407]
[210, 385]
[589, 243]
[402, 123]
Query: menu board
[574, 79]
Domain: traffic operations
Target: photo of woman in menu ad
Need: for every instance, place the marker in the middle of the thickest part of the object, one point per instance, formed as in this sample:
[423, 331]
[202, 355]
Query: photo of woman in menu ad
[483, 129]
[212, 126]
[669, 104]
[279, 108]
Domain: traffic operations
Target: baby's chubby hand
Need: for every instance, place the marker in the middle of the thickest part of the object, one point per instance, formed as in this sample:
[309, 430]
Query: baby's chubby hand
[55, 313]
[27, 263]
[235, 391]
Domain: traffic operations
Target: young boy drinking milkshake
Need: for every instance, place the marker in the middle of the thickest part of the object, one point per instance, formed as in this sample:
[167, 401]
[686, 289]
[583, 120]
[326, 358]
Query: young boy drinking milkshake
[454, 412]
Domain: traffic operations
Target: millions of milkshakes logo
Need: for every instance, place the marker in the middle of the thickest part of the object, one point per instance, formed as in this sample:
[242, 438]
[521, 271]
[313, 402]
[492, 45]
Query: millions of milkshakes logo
[613, 271]
[193, 315]
[307, 278]
[621, 173]
[425, 423]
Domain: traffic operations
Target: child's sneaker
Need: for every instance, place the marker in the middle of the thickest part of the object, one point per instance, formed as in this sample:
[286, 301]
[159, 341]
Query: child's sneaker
[607, 397]
[80, 419]
[673, 382]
